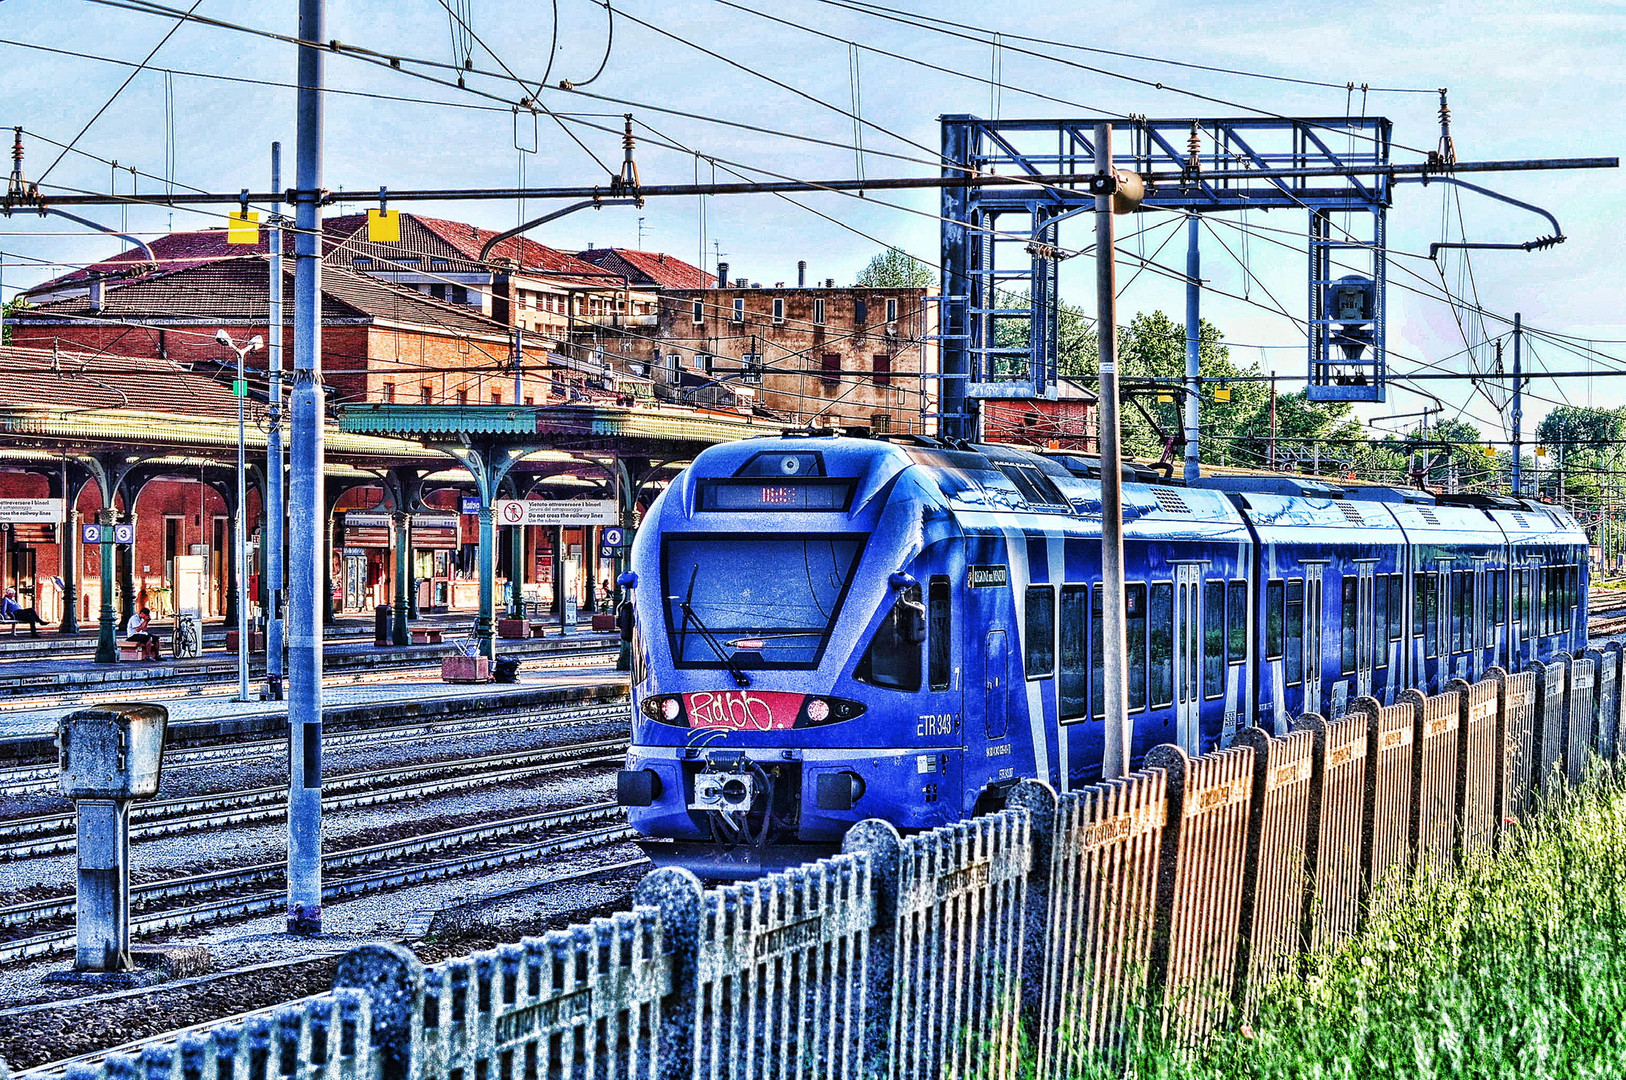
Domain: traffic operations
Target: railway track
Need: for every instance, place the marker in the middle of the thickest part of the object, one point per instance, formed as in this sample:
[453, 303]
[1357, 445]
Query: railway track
[42, 778]
[53, 834]
[606, 827]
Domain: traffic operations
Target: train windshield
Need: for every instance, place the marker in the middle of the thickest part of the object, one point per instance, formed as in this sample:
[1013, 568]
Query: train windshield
[754, 601]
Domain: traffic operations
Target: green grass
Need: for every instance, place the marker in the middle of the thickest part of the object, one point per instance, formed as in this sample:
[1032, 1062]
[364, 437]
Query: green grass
[1514, 967]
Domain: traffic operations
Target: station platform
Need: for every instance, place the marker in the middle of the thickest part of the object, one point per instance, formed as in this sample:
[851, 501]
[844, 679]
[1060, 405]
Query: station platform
[65, 666]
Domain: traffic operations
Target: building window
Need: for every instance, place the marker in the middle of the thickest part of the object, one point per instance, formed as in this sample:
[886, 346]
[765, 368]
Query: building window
[389, 393]
[529, 400]
[702, 361]
[830, 368]
[891, 311]
[860, 312]
[818, 312]
[739, 309]
[438, 290]
[496, 397]
[439, 264]
[459, 295]
[779, 309]
[699, 312]
[672, 362]
[883, 369]
[462, 397]
[426, 394]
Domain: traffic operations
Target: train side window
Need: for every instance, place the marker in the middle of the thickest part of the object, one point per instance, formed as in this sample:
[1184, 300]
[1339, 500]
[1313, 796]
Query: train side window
[1071, 700]
[1498, 597]
[1213, 639]
[1397, 605]
[940, 645]
[1572, 595]
[1429, 584]
[1538, 600]
[1380, 615]
[1236, 621]
[1098, 689]
[1273, 619]
[1521, 601]
[1135, 622]
[1459, 586]
[1293, 646]
[1349, 609]
[1039, 631]
[1419, 603]
[893, 657]
[1160, 623]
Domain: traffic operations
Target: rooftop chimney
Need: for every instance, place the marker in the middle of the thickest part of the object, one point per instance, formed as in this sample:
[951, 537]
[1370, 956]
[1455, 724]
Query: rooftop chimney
[829, 283]
[722, 275]
[96, 295]
[739, 283]
[801, 273]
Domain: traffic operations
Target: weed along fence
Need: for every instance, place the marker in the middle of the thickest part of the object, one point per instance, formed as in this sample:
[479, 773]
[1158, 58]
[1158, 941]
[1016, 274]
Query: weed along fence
[1039, 936]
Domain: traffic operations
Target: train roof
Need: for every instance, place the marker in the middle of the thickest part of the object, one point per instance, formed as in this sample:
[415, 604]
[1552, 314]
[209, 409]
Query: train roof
[1006, 478]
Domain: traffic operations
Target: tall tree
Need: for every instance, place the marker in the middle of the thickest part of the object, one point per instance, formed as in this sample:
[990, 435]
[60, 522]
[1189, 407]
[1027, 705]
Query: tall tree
[896, 269]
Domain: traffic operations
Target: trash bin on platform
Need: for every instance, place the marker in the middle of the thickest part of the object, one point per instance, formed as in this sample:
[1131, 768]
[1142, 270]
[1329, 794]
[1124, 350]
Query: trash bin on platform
[505, 669]
[381, 624]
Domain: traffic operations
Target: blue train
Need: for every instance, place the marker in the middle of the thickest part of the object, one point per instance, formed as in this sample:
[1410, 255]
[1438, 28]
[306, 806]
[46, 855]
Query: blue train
[828, 628]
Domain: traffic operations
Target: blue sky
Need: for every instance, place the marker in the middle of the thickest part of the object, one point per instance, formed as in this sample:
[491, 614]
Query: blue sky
[1523, 83]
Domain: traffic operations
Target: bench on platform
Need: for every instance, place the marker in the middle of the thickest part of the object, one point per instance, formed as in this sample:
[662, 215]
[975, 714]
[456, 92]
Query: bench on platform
[426, 635]
[513, 628]
[138, 651]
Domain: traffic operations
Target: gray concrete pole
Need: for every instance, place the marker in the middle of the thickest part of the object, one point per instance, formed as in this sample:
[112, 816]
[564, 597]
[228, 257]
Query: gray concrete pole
[102, 899]
[307, 519]
[1115, 650]
[1193, 343]
[1518, 402]
[240, 537]
[275, 513]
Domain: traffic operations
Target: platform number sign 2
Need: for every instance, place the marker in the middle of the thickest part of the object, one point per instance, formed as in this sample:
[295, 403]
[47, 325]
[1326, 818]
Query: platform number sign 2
[92, 533]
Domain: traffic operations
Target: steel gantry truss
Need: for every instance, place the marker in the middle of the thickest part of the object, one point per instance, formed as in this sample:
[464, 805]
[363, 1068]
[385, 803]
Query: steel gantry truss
[999, 280]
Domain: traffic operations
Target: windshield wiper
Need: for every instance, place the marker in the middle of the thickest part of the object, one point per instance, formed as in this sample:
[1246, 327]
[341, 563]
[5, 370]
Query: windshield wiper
[741, 679]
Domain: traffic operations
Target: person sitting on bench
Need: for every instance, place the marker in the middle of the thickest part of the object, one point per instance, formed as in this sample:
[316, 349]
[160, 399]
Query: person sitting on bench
[136, 630]
[9, 609]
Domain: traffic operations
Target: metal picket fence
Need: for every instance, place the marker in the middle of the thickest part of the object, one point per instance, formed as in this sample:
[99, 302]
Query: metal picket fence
[1041, 936]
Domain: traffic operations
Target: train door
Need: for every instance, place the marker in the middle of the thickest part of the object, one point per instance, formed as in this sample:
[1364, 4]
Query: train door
[996, 680]
[1366, 643]
[1188, 623]
[1313, 656]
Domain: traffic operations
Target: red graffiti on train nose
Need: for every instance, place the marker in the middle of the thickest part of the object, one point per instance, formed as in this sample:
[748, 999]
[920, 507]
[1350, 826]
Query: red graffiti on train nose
[743, 710]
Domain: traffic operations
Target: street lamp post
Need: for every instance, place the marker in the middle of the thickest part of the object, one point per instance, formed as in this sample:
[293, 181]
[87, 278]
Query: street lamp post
[240, 388]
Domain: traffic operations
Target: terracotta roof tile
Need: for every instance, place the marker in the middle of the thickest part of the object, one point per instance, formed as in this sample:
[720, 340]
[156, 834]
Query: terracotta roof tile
[650, 268]
[82, 380]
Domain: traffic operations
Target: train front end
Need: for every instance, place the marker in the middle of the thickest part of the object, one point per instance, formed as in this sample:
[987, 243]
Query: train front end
[775, 618]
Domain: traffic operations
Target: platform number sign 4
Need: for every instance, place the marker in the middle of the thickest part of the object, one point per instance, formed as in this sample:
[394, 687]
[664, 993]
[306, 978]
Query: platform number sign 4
[611, 537]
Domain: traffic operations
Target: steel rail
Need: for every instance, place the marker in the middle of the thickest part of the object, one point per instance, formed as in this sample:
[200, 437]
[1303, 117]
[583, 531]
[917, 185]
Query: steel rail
[33, 779]
[26, 696]
[270, 804]
[56, 944]
[59, 907]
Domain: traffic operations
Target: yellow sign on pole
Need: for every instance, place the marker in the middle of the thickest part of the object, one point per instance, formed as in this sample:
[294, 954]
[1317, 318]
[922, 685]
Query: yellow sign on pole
[1222, 393]
[384, 226]
[243, 227]
[1541, 451]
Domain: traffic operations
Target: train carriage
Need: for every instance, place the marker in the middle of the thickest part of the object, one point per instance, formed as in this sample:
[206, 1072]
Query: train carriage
[827, 629]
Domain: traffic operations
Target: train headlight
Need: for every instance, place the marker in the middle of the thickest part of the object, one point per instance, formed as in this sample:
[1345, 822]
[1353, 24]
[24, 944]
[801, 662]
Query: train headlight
[818, 710]
[666, 709]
